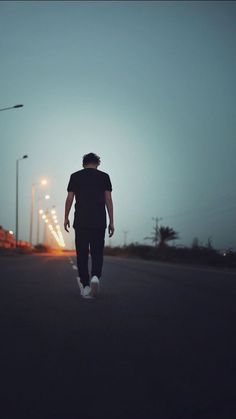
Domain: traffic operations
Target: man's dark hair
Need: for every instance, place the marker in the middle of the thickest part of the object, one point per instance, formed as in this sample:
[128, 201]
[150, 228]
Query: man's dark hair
[91, 158]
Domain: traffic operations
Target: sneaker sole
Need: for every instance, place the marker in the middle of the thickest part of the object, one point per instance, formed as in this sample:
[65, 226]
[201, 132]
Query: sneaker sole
[87, 297]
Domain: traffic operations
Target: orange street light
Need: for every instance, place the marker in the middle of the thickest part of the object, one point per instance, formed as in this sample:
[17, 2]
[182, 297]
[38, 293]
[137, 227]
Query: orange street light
[43, 182]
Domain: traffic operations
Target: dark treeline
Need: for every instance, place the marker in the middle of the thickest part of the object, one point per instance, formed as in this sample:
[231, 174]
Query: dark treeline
[162, 251]
[196, 255]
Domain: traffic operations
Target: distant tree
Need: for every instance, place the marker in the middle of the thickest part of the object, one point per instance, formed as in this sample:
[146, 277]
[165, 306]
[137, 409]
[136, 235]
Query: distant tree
[209, 243]
[166, 234]
[161, 235]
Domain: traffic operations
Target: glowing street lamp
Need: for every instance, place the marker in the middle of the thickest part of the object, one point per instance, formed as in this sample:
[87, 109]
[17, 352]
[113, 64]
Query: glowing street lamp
[43, 182]
[40, 212]
[52, 226]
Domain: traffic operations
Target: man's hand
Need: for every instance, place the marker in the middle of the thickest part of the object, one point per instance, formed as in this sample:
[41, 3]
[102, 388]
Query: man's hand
[111, 230]
[66, 224]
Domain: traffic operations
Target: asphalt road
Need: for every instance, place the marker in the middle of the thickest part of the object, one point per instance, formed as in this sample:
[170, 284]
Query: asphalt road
[158, 343]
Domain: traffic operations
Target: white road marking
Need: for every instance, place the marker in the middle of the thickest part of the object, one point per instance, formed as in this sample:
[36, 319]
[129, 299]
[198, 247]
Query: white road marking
[74, 267]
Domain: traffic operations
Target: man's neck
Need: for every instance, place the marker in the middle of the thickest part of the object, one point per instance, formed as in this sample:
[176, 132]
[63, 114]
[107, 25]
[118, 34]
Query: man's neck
[90, 166]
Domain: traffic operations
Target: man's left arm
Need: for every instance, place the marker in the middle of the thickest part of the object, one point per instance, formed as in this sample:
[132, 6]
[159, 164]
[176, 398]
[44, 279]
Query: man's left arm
[68, 204]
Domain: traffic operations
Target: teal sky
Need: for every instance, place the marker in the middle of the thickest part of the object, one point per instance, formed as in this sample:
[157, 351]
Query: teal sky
[148, 86]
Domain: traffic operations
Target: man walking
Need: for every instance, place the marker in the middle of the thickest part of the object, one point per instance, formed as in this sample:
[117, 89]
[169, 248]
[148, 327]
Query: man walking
[92, 191]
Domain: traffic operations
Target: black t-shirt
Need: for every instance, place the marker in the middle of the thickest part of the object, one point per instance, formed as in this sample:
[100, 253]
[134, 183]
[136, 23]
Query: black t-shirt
[89, 186]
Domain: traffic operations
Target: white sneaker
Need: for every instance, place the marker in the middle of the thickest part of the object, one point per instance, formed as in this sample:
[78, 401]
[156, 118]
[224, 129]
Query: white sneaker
[87, 291]
[95, 286]
[84, 291]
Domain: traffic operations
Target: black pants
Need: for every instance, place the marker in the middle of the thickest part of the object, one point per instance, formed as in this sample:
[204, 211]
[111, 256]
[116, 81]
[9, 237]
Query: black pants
[93, 239]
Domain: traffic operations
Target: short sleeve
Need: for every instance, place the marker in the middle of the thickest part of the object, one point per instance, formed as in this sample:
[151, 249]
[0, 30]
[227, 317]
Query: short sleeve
[108, 185]
[71, 185]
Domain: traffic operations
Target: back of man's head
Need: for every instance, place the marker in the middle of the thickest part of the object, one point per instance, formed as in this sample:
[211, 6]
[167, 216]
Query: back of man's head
[91, 158]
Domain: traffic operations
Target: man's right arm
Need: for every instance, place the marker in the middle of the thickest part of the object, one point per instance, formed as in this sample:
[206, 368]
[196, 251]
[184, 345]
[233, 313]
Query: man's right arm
[109, 206]
[68, 204]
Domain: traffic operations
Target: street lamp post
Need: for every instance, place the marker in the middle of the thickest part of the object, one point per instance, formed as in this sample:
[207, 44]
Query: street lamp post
[11, 107]
[40, 212]
[32, 212]
[45, 232]
[17, 192]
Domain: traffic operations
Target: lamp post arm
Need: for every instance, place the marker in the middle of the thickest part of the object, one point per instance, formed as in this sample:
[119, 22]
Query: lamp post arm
[11, 107]
[6, 109]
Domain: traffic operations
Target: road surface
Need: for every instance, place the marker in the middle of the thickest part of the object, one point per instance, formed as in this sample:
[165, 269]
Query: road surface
[158, 343]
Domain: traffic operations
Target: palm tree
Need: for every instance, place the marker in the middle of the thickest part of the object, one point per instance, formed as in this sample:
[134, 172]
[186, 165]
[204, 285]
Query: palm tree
[166, 234]
[162, 234]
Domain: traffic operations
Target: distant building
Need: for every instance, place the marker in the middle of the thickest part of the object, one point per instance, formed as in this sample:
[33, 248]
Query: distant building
[7, 239]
